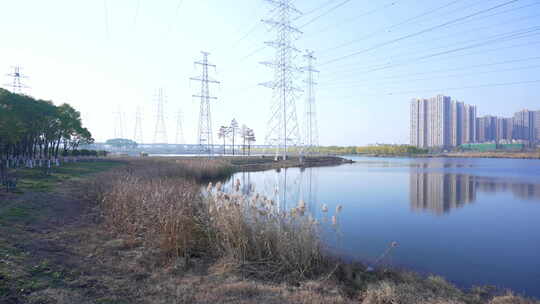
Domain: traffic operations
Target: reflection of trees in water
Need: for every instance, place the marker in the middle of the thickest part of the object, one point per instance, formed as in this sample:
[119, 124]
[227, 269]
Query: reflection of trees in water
[442, 192]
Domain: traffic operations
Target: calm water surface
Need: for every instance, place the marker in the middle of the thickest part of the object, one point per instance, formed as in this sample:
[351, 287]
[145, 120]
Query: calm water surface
[473, 221]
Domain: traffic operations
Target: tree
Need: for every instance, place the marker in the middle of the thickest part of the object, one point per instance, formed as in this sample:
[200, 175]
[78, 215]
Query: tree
[233, 129]
[243, 134]
[121, 143]
[223, 133]
[250, 138]
[32, 128]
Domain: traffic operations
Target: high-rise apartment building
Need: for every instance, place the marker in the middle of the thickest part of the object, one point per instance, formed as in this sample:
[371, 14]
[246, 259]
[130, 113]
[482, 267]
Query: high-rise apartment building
[440, 122]
[486, 127]
[523, 127]
[504, 129]
[469, 124]
[456, 136]
[536, 125]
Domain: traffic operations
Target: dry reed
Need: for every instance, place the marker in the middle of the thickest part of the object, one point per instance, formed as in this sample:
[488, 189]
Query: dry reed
[156, 202]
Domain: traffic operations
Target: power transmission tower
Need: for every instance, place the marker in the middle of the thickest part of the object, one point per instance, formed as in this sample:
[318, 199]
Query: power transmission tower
[179, 129]
[282, 128]
[138, 133]
[118, 124]
[160, 134]
[205, 134]
[16, 84]
[311, 132]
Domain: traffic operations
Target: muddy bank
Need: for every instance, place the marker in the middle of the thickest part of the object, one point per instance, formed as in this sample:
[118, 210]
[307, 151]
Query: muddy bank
[267, 163]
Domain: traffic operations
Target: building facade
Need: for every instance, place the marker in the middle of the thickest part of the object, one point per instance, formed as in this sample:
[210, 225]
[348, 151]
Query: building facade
[440, 122]
[486, 129]
[504, 130]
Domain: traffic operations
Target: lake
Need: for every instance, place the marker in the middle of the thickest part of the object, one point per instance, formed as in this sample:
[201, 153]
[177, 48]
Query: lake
[472, 221]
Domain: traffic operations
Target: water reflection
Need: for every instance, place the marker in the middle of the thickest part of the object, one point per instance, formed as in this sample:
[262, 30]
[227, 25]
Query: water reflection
[441, 192]
[430, 191]
[284, 187]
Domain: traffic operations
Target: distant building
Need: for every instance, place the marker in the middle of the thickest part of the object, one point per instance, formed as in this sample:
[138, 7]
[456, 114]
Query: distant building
[469, 124]
[537, 126]
[504, 130]
[523, 126]
[440, 122]
[486, 129]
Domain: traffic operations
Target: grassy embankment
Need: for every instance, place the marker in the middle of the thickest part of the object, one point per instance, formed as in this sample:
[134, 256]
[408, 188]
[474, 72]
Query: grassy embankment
[161, 240]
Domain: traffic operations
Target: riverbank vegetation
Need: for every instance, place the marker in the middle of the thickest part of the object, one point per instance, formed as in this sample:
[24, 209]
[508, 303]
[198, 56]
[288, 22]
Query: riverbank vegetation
[372, 150]
[157, 208]
[156, 231]
[34, 129]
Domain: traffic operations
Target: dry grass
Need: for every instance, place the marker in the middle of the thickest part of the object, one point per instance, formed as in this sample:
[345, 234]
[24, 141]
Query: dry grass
[279, 256]
[153, 202]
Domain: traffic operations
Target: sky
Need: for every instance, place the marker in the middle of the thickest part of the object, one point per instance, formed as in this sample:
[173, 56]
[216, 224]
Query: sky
[110, 56]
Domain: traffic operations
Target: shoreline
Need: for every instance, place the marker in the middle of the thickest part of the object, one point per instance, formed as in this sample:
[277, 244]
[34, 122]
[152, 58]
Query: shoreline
[268, 163]
[500, 155]
[103, 249]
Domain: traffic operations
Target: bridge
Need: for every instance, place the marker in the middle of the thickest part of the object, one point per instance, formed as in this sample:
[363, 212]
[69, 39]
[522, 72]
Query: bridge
[174, 148]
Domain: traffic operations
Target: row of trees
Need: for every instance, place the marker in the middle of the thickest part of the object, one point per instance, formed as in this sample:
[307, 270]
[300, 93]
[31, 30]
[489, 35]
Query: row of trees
[232, 132]
[378, 149]
[35, 129]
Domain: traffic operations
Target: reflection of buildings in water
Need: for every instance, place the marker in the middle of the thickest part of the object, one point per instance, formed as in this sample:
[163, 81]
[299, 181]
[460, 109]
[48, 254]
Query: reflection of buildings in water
[525, 191]
[440, 192]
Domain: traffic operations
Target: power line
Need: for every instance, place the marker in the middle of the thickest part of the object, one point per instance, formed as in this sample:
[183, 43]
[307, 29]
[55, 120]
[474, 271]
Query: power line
[419, 32]
[488, 85]
[106, 11]
[475, 45]
[408, 59]
[137, 6]
[177, 10]
[392, 26]
[373, 11]
[315, 9]
[468, 67]
[325, 13]
[357, 84]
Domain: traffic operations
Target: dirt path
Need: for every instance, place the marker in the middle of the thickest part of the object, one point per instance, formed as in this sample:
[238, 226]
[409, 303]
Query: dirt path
[53, 249]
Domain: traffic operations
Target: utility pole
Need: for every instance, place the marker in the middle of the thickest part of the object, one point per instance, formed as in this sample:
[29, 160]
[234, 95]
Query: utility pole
[311, 132]
[205, 135]
[16, 84]
[138, 133]
[282, 126]
[179, 130]
[160, 134]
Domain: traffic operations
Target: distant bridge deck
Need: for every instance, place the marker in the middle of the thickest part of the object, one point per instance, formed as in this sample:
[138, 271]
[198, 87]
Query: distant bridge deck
[173, 148]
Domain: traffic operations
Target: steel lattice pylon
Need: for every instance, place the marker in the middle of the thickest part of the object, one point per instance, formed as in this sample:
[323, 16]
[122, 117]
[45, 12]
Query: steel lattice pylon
[205, 134]
[282, 128]
[179, 129]
[160, 134]
[311, 128]
[119, 123]
[138, 133]
[16, 84]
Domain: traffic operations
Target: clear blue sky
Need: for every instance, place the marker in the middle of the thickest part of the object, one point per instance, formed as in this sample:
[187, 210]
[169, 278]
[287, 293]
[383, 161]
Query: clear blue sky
[102, 54]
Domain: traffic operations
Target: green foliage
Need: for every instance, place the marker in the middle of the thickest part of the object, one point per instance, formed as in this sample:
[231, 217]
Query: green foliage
[391, 150]
[378, 149]
[35, 128]
[122, 143]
